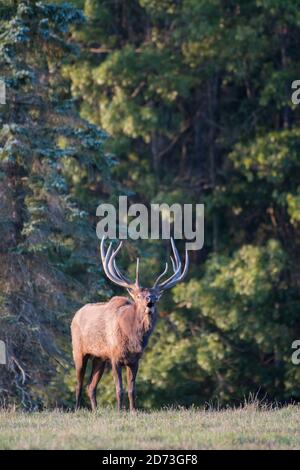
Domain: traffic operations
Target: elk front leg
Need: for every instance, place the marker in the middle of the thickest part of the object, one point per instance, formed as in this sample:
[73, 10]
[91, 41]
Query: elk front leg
[131, 371]
[80, 364]
[117, 373]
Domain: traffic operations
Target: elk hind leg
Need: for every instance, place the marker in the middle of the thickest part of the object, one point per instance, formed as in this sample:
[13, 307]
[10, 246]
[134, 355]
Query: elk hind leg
[98, 367]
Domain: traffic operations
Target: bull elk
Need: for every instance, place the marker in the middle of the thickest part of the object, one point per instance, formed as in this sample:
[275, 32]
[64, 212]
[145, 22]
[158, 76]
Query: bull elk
[118, 331]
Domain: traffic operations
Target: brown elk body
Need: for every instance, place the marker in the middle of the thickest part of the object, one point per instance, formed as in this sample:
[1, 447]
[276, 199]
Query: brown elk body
[117, 331]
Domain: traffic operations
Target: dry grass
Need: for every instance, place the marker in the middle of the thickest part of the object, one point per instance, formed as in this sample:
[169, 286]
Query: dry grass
[249, 427]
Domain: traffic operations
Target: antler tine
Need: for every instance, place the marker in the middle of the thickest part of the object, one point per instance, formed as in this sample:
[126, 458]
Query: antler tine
[173, 276]
[176, 264]
[116, 269]
[181, 276]
[173, 263]
[105, 259]
[137, 275]
[109, 265]
[120, 274]
[176, 254]
[178, 275]
[102, 249]
[161, 275]
[104, 255]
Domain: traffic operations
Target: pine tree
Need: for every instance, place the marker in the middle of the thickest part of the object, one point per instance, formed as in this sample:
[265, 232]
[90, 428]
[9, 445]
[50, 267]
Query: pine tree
[52, 170]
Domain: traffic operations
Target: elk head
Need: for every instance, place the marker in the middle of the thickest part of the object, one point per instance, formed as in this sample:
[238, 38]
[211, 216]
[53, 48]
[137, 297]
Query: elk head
[145, 297]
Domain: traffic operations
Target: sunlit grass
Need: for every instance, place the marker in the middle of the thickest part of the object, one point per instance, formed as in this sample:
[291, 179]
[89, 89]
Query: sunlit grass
[248, 427]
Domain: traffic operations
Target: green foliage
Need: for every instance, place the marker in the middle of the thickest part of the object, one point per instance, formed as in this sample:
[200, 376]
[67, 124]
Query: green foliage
[52, 162]
[249, 321]
[196, 96]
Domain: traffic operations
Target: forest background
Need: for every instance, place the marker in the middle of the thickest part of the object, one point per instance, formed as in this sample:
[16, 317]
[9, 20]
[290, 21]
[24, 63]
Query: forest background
[183, 101]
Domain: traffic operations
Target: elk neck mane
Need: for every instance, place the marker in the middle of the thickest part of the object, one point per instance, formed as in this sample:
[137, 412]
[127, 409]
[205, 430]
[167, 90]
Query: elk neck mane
[135, 323]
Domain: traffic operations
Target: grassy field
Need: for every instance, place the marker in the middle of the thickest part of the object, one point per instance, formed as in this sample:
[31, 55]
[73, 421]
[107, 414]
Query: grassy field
[250, 427]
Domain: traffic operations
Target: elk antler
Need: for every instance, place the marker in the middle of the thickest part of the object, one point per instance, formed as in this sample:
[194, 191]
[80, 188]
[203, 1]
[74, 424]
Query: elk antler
[115, 275]
[178, 274]
[110, 267]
